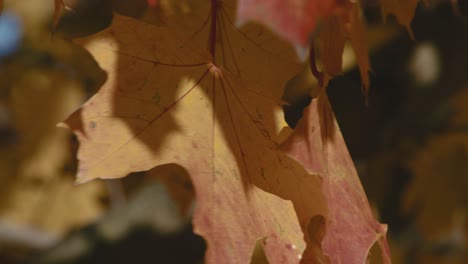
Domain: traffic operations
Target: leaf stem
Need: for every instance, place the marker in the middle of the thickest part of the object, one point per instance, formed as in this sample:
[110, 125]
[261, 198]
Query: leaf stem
[313, 66]
[214, 13]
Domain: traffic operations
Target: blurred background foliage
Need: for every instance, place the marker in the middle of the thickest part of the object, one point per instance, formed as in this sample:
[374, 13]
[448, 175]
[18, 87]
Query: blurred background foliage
[409, 143]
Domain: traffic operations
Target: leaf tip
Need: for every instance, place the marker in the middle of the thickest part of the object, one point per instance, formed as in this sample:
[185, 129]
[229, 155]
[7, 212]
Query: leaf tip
[80, 180]
[81, 175]
[301, 52]
[63, 125]
[240, 21]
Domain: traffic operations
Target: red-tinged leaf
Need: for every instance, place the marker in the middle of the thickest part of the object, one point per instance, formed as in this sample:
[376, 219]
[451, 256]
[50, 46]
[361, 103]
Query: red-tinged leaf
[403, 10]
[351, 229]
[294, 20]
[168, 101]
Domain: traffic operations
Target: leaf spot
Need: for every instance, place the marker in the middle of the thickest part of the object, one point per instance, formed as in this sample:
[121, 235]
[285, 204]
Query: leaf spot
[92, 124]
[291, 246]
[156, 98]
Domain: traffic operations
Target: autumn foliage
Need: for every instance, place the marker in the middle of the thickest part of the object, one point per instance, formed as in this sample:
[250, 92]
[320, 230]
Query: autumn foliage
[198, 84]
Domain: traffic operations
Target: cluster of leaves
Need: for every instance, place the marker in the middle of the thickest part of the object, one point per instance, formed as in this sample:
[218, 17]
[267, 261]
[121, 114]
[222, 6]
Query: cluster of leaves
[190, 86]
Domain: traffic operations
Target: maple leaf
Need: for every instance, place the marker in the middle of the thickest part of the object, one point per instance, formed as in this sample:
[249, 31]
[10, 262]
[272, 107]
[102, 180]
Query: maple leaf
[169, 101]
[350, 226]
[294, 20]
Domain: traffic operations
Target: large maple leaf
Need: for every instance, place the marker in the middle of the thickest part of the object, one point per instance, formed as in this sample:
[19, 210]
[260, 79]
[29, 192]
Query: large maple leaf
[167, 101]
[351, 227]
